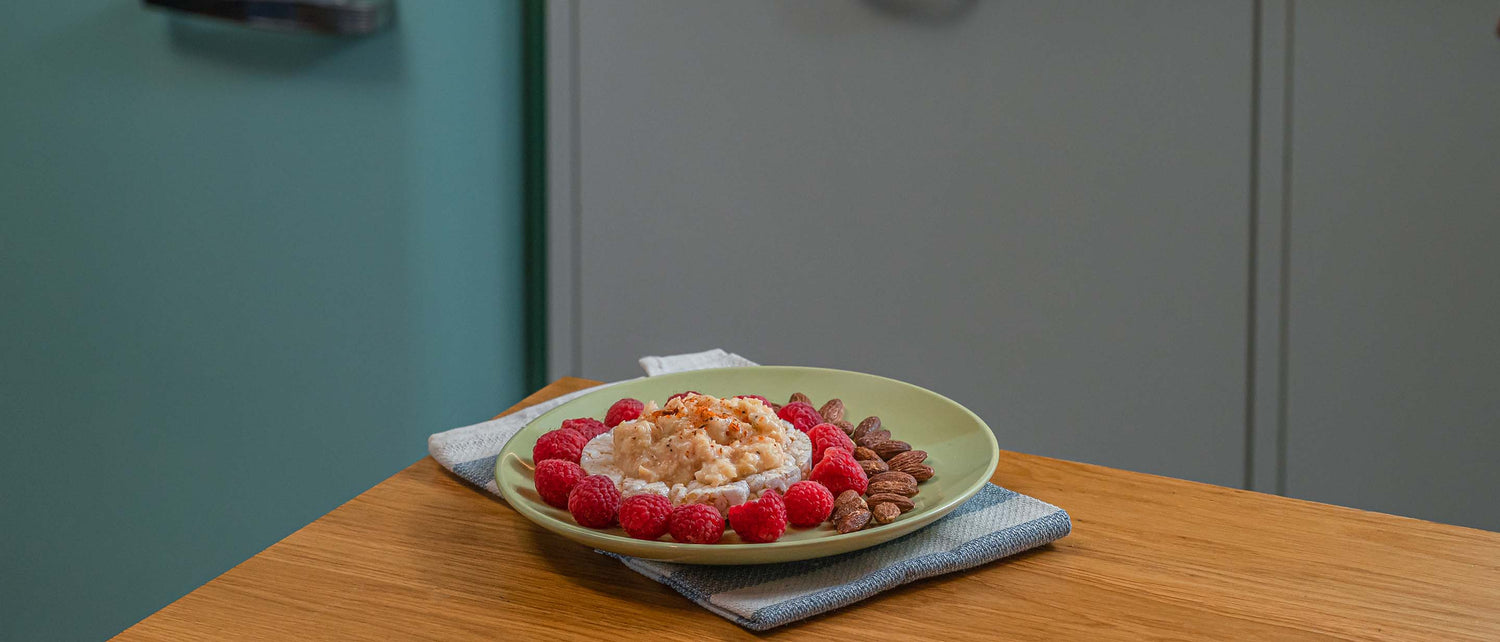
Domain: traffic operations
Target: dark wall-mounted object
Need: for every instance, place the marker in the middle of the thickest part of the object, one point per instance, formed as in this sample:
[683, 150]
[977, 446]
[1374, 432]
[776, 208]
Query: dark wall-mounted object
[337, 17]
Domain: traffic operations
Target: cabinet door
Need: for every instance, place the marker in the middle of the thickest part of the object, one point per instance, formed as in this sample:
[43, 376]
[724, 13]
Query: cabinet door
[1039, 209]
[1394, 345]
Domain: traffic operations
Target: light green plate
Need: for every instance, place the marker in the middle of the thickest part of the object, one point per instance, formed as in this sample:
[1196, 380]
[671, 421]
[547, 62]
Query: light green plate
[961, 449]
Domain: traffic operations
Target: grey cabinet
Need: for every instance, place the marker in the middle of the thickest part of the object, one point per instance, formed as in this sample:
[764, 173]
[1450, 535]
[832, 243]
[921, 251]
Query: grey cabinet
[1244, 243]
[1393, 395]
[1039, 209]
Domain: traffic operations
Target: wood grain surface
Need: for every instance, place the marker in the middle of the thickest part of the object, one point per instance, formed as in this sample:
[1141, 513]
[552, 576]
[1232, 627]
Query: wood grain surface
[425, 556]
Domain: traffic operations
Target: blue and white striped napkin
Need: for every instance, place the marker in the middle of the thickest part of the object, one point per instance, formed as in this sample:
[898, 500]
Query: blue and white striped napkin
[993, 524]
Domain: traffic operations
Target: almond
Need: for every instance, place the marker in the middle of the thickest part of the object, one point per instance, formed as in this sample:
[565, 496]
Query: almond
[902, 503]
[873, 466]
[874, 437]
[845, 426]
[864, 428]
[847, 501]
[894, 475]
[861, 453]
[797, 396]
[893, 487]
[908, 458]
[885, 513]
[852, 521]
[849, 497]
[833, 411]
[890, 448]
[910, 467]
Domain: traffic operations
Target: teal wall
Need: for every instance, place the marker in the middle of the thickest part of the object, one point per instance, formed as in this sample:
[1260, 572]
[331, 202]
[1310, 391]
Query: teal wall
[242, 276]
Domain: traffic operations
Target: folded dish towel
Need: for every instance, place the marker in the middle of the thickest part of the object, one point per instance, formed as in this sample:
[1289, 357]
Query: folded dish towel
[993, 524]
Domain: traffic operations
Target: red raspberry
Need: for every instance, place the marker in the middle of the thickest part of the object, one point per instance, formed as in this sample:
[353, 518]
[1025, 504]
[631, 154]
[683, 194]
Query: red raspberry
[558, 444]
[589, 427]
[760, 521]
[696, 524]
[626, 409]
[801, 414]
[645, 516]
[595, 502]
[682, 394]
[808, 504]
[839, 472]
[825, 436]
[555, 478]
[762, 399]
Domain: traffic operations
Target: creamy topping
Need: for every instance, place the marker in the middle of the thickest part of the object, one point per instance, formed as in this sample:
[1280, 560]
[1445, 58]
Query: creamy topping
[701, 438]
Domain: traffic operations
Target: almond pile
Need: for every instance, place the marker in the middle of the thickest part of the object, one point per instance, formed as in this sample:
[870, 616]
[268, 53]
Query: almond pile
[893, 468]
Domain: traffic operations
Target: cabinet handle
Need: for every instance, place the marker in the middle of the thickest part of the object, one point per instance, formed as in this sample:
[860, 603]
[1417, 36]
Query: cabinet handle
[338, 17]
[925, 10]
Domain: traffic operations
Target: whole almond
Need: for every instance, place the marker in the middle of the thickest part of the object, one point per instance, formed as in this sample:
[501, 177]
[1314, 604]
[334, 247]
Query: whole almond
[833, 411]
[864, 428]
[852, 521]
[873, 466]
[797, 396]
[885, 513]
[890, 448]
[910, 457]
[893, 487]
[861, 453]
[874, 437]
[845, 426]
[901, 502]
[775, 407]
[894, 475]
[909, 467]
[920, 472]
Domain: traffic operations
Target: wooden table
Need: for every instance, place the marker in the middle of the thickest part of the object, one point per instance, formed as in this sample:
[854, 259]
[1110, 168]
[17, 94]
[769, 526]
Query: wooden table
[423, 555]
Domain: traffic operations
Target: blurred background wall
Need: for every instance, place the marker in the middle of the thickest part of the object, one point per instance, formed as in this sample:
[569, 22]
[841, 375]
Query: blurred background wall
[1242, 242]
[242, 276]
